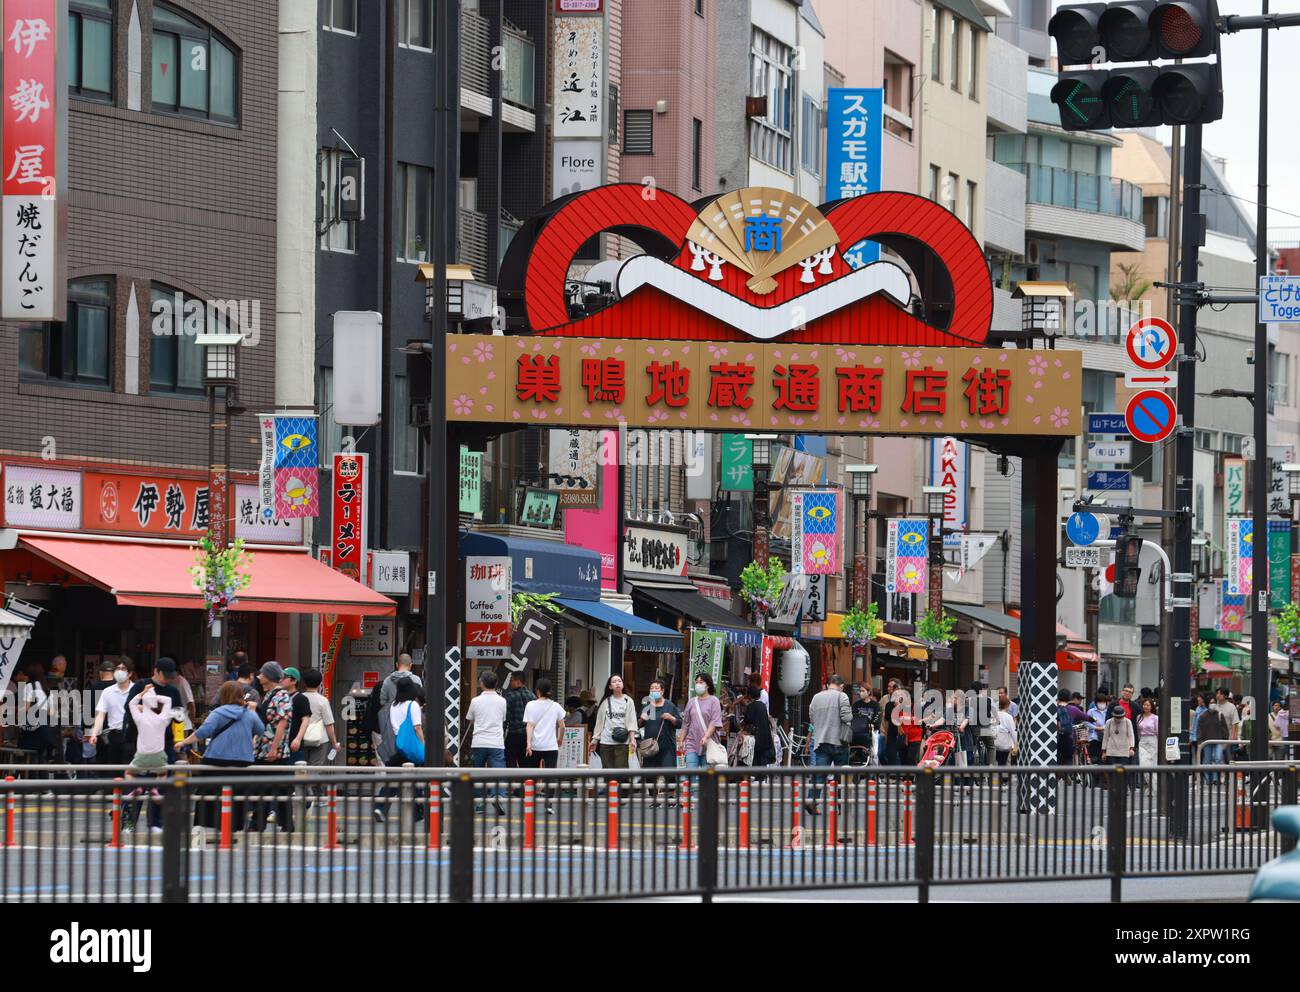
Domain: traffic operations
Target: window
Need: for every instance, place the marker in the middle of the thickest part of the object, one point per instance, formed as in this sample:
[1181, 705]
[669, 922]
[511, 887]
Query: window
[175, 320]
[954, 39]
[76, 350]
[518, 83]
[810, 133]
[697, 139]
[612, 114]
[772, 75]
[340, 15]
[407, 449]
[936, 62]
[90, 48]
[414, 30]
[638, 132]
[413, 207]
[699, 7]
[1155, 216]
[1083, 158]
[1280, 373]
[951, 188]
[335, 234]
[970, 204]
[1083, 280]
[195, 73]
[331, 434]
[897, 82]
[973, 67]
[934, 183]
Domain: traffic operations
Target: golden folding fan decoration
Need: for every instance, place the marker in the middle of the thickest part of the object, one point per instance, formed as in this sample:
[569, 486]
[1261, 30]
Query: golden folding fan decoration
[721, 229]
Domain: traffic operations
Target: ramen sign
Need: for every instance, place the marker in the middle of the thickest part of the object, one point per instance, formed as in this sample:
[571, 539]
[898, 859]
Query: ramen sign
[746, 315]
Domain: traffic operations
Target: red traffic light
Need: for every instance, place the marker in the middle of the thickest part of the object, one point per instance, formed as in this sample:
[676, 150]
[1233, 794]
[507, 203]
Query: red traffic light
[1185, 28]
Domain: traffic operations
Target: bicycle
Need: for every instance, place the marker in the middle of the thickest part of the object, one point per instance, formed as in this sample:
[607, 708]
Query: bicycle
[795, 748]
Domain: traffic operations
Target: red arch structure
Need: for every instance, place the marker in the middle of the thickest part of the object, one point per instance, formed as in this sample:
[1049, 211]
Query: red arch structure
[650, 312]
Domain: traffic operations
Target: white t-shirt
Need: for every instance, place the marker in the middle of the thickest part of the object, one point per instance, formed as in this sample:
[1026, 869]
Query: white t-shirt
[397, 714]
[187, 698]
[615, 712]
[112, 703]
[1230, 715]
[487, 711]
[543, 714]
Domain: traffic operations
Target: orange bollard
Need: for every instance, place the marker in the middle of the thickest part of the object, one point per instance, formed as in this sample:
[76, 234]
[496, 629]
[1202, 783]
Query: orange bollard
[907, 814]
[685, 814]
[117, 816]
[871, 812]
[743, 842]
[832, 813]
[227, 817]
[331, 819]
[435, 816]
[611, 836]
[794, 816]
[9, 818]
[1243, 807]
[530, 825]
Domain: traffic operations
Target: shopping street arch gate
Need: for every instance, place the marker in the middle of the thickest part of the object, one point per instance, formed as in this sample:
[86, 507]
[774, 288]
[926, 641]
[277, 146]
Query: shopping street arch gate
[748, 312]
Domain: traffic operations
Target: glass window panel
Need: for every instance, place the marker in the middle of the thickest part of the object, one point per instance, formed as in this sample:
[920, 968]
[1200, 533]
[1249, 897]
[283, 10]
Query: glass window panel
[32, 350]
[92, 343]
[345, 15]
[421, 206]
[417, 23]
[194, 74]
[223, 80]
[164, 69]
[162, 361]
[399, 198]
[172, 20]
[189, 363]
[96, 55]
[74, 51]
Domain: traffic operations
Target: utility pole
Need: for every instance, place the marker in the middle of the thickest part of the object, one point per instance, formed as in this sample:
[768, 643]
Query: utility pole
[1168, 531]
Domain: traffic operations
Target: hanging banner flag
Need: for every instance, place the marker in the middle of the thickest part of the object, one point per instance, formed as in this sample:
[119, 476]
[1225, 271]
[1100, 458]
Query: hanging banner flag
[737, 464]
[348, 524]
[706, 653]
[815, 532]
[765, 664]
[907, 553]
[1237, 563]
[33, 123]
[948, 463]
[1279, 563]
[287, 478]
[11, 649]
[1232, 611]
[1234, 486]
[333, 629]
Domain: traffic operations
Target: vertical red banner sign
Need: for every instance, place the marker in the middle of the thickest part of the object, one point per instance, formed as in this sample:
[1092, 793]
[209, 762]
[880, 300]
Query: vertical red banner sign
[31, 128]
[346, 554]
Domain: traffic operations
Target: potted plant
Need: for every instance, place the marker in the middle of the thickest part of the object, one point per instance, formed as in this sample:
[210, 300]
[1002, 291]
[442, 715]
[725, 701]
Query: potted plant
[1200, 655]
[542, 602]
[220, 574]
[936, 630]
[861, 627]
[760, 587]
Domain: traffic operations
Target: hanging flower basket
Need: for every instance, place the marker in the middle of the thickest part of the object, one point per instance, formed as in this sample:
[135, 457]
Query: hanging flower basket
[861, 627]
[937, 630]
[760, 588]
[219, 574]
[1288, 630]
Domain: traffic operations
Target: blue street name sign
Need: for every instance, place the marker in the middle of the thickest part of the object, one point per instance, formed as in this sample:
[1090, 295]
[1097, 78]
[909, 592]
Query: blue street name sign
[1106, 423]
[1098, 481]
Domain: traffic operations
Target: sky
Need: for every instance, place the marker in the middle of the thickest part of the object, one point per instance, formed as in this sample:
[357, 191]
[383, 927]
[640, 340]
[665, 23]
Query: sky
[1236, 136]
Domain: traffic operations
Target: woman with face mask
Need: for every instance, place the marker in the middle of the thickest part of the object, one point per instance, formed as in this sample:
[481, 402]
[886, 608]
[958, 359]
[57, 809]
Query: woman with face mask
[106, 734]
[703, 717]
[659, 720]
[615, 727]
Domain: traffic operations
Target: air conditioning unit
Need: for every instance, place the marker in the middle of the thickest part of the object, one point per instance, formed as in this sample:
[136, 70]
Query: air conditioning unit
[419, 415]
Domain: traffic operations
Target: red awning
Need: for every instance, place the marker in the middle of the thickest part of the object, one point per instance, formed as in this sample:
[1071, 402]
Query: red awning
[140, 573]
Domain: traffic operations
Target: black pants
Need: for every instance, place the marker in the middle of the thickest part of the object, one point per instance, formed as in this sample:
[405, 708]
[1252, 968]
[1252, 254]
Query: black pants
[207, 799]
[517, 750]
[542, 759]
[277, 797]
[110, 749]
[397, 760]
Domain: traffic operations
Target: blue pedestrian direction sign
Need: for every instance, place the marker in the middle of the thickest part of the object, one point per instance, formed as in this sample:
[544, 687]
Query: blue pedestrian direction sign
[1084, 528]
[1106, 423]
[1102, 481]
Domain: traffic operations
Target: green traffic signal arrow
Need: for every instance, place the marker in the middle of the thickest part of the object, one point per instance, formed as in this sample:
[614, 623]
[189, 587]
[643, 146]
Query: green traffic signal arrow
[1137, 90]
[1070, 100]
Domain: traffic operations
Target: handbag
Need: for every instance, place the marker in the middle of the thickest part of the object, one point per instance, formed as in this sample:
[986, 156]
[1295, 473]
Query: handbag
[714, 753]
[408, 741]
[315, 735]
[619, 733]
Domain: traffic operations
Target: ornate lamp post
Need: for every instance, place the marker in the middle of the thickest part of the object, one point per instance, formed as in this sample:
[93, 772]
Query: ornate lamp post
[762, 445]
[934, 506]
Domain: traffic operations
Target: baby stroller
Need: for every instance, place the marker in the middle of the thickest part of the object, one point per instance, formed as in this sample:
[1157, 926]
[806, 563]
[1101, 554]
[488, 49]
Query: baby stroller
[938, 747]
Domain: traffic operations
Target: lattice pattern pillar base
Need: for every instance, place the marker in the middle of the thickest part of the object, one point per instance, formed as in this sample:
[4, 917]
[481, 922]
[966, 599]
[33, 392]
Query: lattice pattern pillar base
[1037, 733]
[451, 672]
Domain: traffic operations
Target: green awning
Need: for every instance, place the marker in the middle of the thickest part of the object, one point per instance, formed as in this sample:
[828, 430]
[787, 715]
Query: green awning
[1230, 656]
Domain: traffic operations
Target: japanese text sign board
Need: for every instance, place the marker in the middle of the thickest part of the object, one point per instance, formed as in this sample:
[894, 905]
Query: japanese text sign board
[737, 464]
[949, 464]
[907, 553]
[815, 531]
[287, 476]
[147, 504]
[1234, 486]
[250, 526]
[1237, 564]
[378, 639]
[390, 572]
[1279, 563]
[1083, 557]
[1107, 481]
[41, 497]
[1279, 500]
[574, 457]
[578, 63]
[1106, 423]
[33, 128]
[707, 648]
[348, 525]
[655, 551]
[488, 588]
[1279, 299]
[855, 137]
[814, 601]
[470, 498]
[1111, 452]
[531, 640]
[556, 381]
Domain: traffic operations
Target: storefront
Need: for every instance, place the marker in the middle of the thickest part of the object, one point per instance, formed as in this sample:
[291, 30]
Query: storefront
[107, 555]
[649, 651]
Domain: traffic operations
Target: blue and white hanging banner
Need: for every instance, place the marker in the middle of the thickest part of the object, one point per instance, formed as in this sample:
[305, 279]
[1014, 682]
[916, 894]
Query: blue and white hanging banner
[855, 137]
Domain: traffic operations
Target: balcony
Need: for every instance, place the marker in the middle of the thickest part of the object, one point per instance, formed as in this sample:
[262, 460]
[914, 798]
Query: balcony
[1083, 205]
[475, 64]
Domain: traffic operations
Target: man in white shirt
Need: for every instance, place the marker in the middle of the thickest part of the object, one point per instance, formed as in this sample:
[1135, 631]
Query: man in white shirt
[487, 749]
[106, 735]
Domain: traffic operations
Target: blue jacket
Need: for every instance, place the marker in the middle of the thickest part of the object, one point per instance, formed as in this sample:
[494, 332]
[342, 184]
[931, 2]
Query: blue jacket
[230, 730]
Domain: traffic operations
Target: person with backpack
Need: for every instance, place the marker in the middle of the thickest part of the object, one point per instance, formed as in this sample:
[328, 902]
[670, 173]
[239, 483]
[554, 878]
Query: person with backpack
[1064, 729]
[385, 694]
[405, 720]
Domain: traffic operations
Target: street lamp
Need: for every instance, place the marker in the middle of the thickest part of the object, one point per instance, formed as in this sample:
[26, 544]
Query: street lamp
[220, 371]
[935, 498]
[860, 491]
[457, 275]
[1292, 470]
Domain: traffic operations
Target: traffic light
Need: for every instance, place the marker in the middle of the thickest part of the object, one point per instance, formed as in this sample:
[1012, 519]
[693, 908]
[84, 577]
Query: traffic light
[1135, 31]
[1128, 568]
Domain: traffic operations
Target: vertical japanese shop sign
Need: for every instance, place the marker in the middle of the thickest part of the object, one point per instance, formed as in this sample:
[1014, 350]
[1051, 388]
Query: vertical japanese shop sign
[1279, 563]
[707, 648]
[1234, 486]
[574, 464]
[489, 584]
[471, 482]
[579, 69]
[33, 136]
[287, 477]
[948, 461]
[737, 463]
[348, 524]
[855, 136]
[1238, 556]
